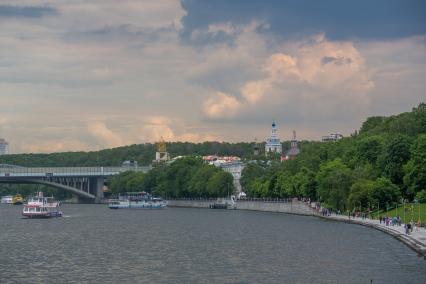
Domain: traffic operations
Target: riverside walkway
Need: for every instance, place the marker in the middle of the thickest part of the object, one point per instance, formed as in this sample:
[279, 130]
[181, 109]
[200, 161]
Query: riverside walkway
[415, 239]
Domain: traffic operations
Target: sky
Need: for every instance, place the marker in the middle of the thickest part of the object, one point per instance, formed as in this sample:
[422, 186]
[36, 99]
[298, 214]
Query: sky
[87, 75]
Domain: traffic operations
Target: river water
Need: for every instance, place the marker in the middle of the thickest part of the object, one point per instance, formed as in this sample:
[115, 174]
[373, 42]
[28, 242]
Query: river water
[93, 244]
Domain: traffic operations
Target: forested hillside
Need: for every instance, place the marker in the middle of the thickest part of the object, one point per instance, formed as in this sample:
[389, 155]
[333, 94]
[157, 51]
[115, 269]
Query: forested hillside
[142, 153]
[377, 166]
[382, 163]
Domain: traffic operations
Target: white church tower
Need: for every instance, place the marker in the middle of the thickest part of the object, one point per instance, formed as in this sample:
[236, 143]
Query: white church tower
[273, 144]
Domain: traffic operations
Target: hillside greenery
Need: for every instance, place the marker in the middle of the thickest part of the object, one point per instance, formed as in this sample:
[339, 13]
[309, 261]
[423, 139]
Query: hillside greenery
[382, 164]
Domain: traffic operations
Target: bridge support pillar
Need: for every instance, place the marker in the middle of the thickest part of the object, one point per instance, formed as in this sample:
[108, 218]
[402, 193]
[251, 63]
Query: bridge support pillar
[97, 188]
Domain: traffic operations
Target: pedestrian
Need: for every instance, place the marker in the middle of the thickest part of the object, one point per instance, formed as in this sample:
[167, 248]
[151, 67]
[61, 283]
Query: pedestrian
[380, 218]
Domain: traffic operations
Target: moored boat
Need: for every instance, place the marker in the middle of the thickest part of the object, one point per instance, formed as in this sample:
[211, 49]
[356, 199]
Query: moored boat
[224, 203]
[137, 200]
[17, 199]
[6, 199]
[41, 207]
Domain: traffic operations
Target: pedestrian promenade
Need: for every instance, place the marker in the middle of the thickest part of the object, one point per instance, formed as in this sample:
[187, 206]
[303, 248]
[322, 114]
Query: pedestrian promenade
[415, 239]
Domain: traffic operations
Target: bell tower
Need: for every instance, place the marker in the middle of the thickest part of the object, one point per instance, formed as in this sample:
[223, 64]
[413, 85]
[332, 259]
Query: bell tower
[161, 155]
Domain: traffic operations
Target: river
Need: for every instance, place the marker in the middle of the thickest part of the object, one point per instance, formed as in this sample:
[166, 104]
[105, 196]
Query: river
[93, 244]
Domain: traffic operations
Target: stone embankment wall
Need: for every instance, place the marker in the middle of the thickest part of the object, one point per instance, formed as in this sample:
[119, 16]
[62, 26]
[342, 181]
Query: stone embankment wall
[293, 207]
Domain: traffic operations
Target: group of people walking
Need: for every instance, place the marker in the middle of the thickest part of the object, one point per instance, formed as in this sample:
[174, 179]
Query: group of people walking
[388, 221]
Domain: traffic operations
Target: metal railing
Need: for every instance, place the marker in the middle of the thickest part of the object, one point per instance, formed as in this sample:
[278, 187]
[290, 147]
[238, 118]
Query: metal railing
[265, 200]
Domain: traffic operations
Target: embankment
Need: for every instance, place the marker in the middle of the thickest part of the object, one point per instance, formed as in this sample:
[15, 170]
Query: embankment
[293, 207]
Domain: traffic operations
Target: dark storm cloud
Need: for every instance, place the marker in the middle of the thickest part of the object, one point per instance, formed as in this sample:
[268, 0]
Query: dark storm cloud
[338, 19]
[26, 11]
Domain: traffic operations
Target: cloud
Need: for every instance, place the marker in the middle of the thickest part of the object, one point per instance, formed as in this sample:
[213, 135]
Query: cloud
[318, 69]
[221, 105]
[11, 11]
[103, 134]
[157, 127]
[109, 74]
[51, 146]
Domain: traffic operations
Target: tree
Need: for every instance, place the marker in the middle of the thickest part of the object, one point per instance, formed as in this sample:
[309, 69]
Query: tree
[334, 182]
[385, 192]
[220, 184]
[415, 169]
[369, 149]
[361, 194]
[396, 154]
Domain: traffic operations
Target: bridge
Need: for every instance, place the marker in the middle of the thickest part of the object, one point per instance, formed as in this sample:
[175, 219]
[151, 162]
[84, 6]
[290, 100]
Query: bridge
[85, 182]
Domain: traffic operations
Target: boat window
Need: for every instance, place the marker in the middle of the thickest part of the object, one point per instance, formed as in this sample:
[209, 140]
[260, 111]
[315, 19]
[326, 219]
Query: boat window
[37, 209]
[32, 209]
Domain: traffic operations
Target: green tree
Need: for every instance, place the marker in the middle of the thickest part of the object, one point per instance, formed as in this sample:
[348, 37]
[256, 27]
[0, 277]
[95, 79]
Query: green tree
[334, 183]
[385, 192]
[396, 154]
[361, 194]
[220, 184]
[369, 149]
[415, 169]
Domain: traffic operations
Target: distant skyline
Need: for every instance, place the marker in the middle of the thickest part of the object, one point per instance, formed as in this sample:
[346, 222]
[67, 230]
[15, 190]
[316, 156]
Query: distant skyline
[87, 75]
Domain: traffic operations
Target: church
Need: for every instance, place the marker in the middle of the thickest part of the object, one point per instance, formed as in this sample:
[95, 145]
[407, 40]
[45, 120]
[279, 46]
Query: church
[273, 143]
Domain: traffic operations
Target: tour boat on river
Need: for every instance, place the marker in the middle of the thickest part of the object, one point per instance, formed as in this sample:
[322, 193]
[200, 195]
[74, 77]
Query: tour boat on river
[137, 200]
[41, 207]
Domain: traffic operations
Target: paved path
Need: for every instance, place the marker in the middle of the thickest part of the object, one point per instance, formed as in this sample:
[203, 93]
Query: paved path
[415, 240]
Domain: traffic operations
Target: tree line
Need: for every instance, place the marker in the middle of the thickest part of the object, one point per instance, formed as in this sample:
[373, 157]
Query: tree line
[376, 167]
[184, 178]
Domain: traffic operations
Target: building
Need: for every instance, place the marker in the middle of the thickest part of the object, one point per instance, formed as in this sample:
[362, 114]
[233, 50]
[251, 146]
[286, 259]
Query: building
[273, 144]
[332, 137]
[4, 147]
[294, 148]
[161, 156]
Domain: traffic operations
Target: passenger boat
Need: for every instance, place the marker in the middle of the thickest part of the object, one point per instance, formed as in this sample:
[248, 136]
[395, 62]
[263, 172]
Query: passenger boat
[137, 200]
[17, 199]
[41, 207]
[6, 199]
[224, 203]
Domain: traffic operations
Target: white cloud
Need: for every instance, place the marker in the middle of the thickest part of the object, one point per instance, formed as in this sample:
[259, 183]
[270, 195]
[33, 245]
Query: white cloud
[103, 134]
[319, 70]
[221, 105]
[109, 74]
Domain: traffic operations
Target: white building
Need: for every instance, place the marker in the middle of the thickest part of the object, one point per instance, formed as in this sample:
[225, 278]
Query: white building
[273, 143]
[332, 137]
[4, 147]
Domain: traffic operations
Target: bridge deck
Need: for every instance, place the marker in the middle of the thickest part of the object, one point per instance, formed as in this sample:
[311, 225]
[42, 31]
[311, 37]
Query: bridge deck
[66, 171]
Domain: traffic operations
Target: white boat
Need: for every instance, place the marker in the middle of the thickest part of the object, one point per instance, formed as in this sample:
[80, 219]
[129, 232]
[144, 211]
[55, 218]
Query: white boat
[224, 203]
[8, 199]
[137, 200]
[41, 207]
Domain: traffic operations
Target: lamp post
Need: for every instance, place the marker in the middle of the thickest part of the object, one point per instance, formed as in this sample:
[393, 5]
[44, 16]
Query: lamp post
[369, 210]
[378, 210]
[405, 214]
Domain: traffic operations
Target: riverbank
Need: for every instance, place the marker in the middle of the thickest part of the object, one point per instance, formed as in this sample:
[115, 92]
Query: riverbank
[416, 240]
[290, 207]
